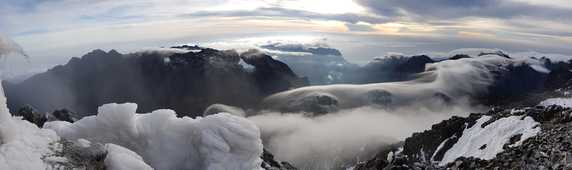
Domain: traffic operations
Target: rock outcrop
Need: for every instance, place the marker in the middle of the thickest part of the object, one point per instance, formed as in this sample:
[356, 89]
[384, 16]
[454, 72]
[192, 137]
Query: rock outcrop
[548, 149]
[270, 163]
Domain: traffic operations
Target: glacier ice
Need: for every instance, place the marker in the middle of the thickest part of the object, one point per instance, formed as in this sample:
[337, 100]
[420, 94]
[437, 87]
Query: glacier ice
[219, 141]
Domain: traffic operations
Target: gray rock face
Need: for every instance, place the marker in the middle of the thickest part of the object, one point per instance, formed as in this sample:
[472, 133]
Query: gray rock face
[269, 163]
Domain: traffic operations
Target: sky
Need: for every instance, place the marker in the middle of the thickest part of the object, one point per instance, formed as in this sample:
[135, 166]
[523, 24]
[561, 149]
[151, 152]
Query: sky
[52, 31]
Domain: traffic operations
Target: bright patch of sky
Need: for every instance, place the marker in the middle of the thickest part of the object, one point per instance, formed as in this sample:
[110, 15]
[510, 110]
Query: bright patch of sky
[52, 31]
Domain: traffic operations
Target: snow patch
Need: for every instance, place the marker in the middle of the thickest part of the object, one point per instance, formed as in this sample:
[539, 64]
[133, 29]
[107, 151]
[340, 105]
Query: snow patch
[551, 56]
[23, 144]
[564, 102]
[120, 158]
[219, 141]
[485, 143]
[474, 52]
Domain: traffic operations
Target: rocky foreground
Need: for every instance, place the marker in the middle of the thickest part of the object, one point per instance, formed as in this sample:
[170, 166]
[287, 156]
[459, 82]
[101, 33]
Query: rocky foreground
[550, 148]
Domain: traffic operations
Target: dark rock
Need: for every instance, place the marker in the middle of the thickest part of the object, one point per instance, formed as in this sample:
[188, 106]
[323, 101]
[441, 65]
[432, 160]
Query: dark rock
[316, 104]
[428, 141]
[550, 149]
[387, 69]
[459, 56]
[498, 53]
[185, 82]
[380, 97]
[32, 115]
[64, 115]
[90, 157]
[270, 163]
[188, 47]
[302, 48]
[272, 75]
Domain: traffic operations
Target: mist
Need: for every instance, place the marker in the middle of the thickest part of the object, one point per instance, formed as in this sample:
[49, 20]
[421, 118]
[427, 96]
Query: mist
[433, 88]
[8, 46]
[358, 124]
[343, 138]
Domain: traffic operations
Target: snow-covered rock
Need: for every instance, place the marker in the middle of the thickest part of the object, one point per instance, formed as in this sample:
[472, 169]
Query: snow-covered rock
[120, 158]
[25, 146]
[514, 138]
[219, 141]
[476, 52]
[22, 144]
[485, 142]
[564, 102]
[220, 108]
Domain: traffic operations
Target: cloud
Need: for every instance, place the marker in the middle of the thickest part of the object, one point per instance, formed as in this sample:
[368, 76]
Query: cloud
[56, 26]
[8, 46]
[343, 138]
[290, 13]
[453, 9]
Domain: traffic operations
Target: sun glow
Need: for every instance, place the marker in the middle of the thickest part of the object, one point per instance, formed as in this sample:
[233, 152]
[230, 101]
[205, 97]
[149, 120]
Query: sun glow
[324, 6]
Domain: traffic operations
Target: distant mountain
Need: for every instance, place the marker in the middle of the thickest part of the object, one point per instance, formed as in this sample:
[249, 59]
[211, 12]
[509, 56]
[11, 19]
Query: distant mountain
[487, 78]
[325, 65]
[185, 82]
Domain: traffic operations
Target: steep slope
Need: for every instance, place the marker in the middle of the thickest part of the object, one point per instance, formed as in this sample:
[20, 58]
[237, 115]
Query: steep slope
[519, 138]
[186, 82]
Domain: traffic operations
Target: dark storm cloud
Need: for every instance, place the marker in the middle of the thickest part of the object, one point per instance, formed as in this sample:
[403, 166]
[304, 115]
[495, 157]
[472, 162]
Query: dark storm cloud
[454, 9]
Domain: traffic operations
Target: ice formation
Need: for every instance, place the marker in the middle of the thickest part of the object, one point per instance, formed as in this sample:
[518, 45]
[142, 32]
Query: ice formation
[22, 144]
[25, 146]
[120, 158]
[219, 141]
[485, 143]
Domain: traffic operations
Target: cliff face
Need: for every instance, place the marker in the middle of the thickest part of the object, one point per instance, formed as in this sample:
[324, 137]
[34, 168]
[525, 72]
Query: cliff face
[186, 82]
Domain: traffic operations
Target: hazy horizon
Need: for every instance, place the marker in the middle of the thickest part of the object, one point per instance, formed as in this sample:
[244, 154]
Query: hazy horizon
[52, 31]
